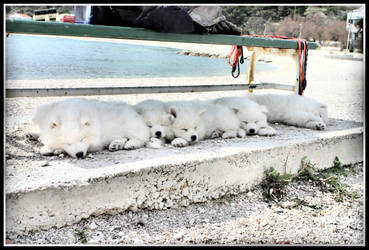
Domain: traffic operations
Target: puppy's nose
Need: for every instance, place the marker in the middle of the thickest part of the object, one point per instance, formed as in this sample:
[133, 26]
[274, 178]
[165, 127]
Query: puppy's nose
[79, 155]
[252, 131]
[158, 134]
[193, 138]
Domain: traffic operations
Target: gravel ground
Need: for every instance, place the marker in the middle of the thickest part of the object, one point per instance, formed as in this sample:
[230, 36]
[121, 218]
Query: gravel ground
[233, 220]
[242, 219]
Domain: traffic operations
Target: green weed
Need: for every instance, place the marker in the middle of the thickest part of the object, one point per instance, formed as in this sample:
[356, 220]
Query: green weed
[274, 184]
[225, 199]
[329, 180]
[82, 234]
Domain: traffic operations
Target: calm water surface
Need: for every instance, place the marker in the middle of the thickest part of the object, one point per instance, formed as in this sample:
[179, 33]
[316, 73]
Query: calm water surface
[37, 57]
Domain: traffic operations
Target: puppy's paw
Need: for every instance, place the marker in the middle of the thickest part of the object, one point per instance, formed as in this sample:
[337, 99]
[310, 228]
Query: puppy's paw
[241, 133]
[117, 144]
[133, 144]
[154, 143]
[46, 151]
[216, 134]
[58, 151]
[266, 131]
[229, 134]
[318, 125]
[179, 142]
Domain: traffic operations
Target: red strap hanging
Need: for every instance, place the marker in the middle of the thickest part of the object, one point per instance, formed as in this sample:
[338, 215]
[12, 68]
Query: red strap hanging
[236, 52]
[237, 59]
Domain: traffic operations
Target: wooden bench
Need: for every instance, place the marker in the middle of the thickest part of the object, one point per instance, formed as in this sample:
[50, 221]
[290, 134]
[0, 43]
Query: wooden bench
[101, 31]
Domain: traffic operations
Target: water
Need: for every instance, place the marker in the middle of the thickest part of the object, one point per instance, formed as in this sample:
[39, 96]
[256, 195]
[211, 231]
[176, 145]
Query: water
[37, 57]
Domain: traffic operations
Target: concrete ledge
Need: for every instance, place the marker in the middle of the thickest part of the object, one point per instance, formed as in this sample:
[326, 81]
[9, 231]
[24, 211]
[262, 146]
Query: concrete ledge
[66, 190]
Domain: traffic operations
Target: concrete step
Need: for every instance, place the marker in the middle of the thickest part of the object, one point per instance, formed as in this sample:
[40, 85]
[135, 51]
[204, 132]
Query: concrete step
[43, 192]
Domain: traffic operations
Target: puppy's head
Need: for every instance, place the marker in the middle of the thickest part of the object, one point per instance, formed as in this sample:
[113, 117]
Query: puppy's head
[186, 123]
[158, 123]
[252, 118]
[71, 134]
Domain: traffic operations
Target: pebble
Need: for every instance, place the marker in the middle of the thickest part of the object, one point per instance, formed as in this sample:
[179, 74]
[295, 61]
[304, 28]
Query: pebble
[178, 236]
[44, 164]
[141, 222]
[93, 225]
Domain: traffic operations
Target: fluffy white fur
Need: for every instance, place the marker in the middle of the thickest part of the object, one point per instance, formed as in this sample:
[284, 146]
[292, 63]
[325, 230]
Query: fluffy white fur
[293, 110]
[188, 126]
[252, 116]
[78, 126]
[157, 119]
[220, 121]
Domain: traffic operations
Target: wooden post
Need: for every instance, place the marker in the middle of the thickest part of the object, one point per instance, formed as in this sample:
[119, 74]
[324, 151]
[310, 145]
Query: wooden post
[250, 70]
[296, 89]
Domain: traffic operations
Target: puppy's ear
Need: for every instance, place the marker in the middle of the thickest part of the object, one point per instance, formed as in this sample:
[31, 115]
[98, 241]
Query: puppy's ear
[235, 110]
[173, 111]
[169, 117]
[138, 110]
[85, 121]
[264, 109]
[54, 123]
[202, 112]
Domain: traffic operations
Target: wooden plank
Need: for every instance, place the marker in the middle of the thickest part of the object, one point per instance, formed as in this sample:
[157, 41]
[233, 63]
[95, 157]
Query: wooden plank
[42, 92]
[101, 31]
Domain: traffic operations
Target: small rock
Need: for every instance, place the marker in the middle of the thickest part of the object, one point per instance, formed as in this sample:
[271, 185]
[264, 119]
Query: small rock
[44, 164]
[97, 238]
[137, 241]
[93, 225]
[178, 236]
[141, 222]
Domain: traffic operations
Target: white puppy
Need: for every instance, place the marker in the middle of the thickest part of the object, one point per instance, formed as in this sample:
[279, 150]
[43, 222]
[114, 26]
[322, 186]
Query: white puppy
[220, 121]
[157, 119]
[78, 126]
[252, 116]
[187, 126]
[294, 110]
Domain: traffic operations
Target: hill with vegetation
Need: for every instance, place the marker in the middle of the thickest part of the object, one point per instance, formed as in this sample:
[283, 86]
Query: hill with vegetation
[318, 23]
